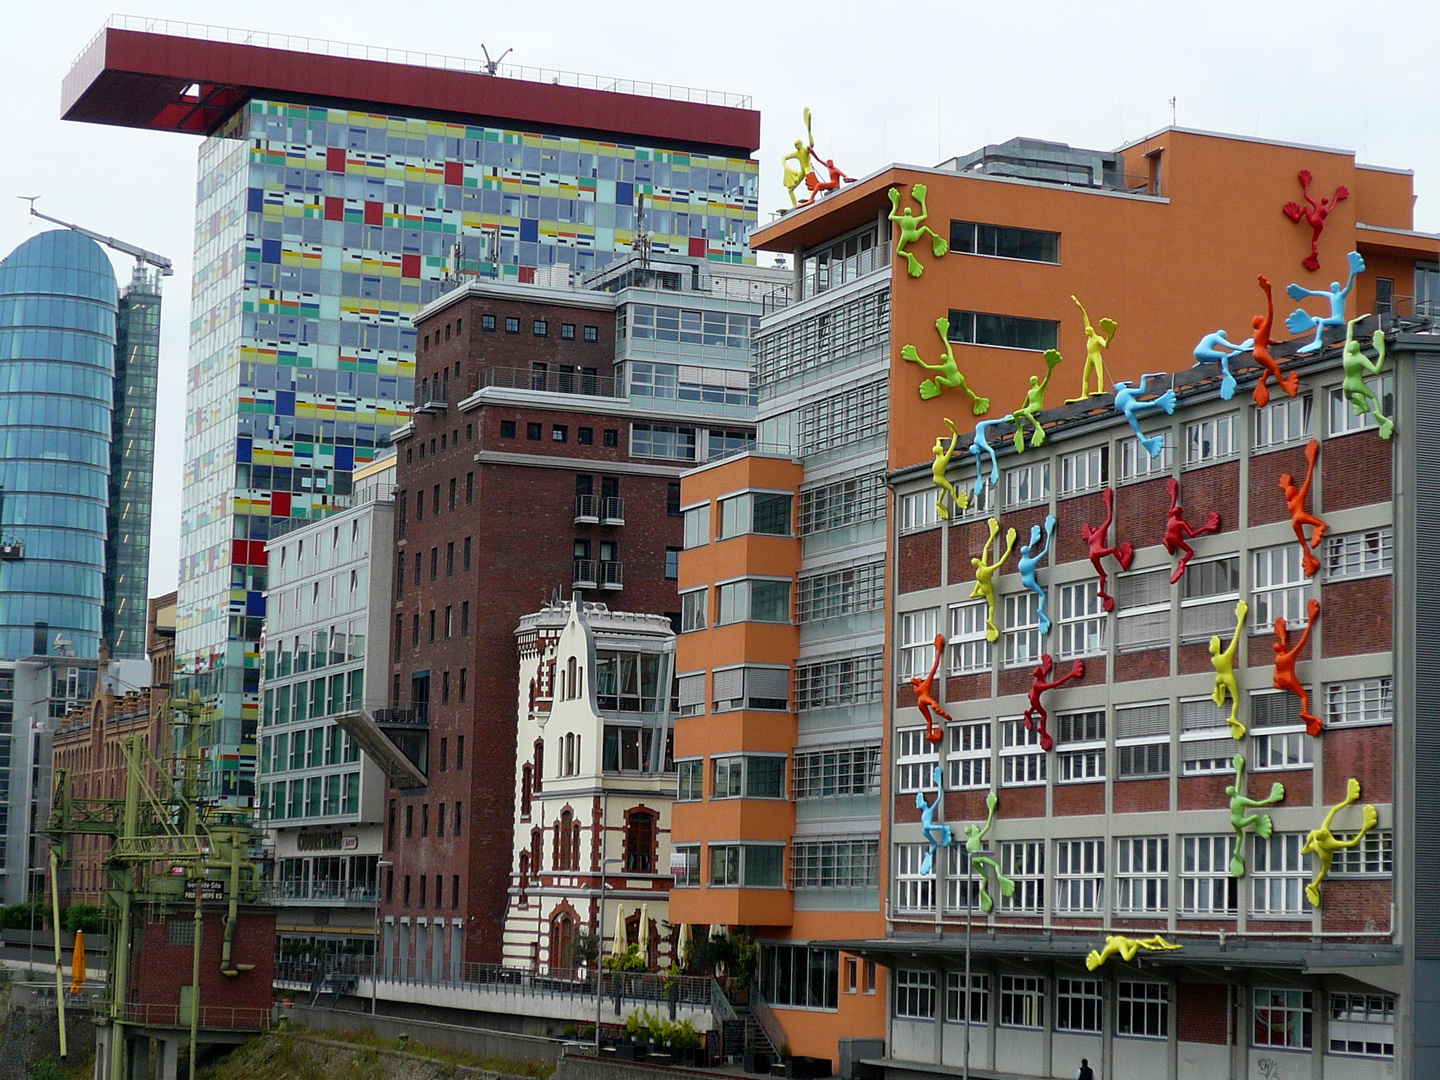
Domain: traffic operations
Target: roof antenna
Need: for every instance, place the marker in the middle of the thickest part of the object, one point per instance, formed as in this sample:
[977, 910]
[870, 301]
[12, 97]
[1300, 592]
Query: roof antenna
[492, 67]
[30, 199]
[1172, 112]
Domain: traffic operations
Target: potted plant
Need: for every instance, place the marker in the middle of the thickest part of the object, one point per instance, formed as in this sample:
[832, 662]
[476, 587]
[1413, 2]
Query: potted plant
[755, 1061]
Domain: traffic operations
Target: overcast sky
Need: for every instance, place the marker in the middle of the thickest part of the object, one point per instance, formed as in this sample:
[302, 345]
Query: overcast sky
[916, 83]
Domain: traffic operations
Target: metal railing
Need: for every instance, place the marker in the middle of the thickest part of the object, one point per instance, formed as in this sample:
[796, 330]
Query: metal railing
[587, 509]
[612, 575]
[587, 573]
[331, 891]
[551, 382]
[212, 1017]
[612, 510]
[418, 714]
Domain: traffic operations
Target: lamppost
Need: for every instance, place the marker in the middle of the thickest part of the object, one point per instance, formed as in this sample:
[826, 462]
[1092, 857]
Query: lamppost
[599, 949]
[375, 945]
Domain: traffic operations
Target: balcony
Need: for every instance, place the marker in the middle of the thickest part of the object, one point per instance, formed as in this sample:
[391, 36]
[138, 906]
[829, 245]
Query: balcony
[436, 401]
[550, 382]
[612, 510]
[612, 575]
[327, 892]
[587, 574]
[587, 509]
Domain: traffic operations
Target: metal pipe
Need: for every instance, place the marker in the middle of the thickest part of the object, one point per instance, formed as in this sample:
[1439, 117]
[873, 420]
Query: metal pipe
[195, 968]
[59, 975]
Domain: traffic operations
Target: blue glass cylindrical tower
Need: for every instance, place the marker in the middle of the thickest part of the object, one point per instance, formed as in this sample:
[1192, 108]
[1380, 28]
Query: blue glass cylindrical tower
[57, 371]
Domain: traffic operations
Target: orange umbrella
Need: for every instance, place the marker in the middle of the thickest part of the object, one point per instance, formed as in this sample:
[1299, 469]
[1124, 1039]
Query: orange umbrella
[77, 964]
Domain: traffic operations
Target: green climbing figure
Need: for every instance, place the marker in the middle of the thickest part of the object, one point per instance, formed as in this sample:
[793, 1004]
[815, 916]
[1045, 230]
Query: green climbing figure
[974, 845]
[912, 228]
[948, 371]
[1034, 404]
[1240, 820]
[1358, 368]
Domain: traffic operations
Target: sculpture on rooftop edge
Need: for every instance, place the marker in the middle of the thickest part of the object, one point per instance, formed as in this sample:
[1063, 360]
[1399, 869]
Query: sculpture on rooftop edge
[801, 155]
[1223, 660]
[1095, 536]
[943, 454]
[974, 846]
[1217, 348]
[1240, 820]
[1358, 368]
[831, 183]
[1178, 530]
[1126, 948]
[1322, 843]
[938, 835]
[948, 372]
[979, 447]
[1301, 321]
[1030, 560]
[1295, 499]
[1263, 324]
[913, 229]
[1040, 682]
[985, 577]
[925, 695]
[1285, 657]
[1129, 405]
[1096, 341]
[1035, 404]
[1314, 215]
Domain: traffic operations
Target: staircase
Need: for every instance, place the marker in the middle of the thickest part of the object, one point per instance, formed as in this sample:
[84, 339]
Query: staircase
[755, 1033]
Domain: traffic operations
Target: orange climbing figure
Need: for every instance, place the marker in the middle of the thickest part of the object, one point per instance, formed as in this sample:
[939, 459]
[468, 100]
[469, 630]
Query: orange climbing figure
[925, 695]
[1262, 325]
[1285, 657]
[817, 186]
[1295, 499]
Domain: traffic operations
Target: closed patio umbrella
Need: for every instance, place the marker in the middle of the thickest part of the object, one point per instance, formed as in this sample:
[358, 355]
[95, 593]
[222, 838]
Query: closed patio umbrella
[77, 964]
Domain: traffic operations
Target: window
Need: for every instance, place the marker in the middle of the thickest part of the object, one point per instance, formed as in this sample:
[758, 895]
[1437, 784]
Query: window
[799, 977]
[979, 997]
[1142, 608]
[672, 564]
[1280, 588]
[837, 682]
[1142, 741]
[507, 429]
[1213, 439]
[533, 432]
[1277, 732]
[685, 865]
[1209, 591]
[1359, 701]
[754, 600]
[487, 322]
[842, 503]
[914, 891]
[1142, 1009]
[612, 437]
[1026, 484]
[836, 771]
[1082, 740]
[1206, 884]
[842, 418]
[1079, 876]
[592, 334]
[697, 526]
[751, 687]
[1022, 1001]
[1077, 1005]
[512, 326]
[567, 331]
[1284, 1018]
[693, 610]
[1021, 618]
[969, 648]
[1004, 241]
[1003, 331]
[915, 758]
[751, 866]
[1357, 554]
[690, 693]
[745, 776]
[755, 512]
[541, 328]
[1362, 1024]
[465, 618]
[1022, 761]
[914, 994]
[1023, 861]
[585, 436]
[690, 779]
[840, 592]
[1136, 462]
[662, 441]
[559, 433]
[969, 755]
[1373, 857]
[918, 630]
[1284, 420]
[962, 885]
[1342, 415]
[1085, 470]
[1081, 620]
[465, 562]
[835, 864]
[1142, 874]
[1279, 875]
[917, 511]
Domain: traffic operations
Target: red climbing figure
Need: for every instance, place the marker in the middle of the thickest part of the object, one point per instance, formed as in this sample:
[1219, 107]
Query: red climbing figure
[1036, 712]
[1095, 536]
[1262, 325]
[1285, 677]
[816, 186]
[1178, 530]
[925, 695]
[1314, 215]
[1295, 499]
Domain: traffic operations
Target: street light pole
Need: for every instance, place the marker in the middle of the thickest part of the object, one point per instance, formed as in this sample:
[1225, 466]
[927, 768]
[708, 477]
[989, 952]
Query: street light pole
[375, 945]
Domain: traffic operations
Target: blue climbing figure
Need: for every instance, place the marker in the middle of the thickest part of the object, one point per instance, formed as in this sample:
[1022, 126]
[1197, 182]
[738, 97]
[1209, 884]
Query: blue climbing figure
[980, 446]
[1210, 351]
[1301, 321]
[938, 835]
[1030, 559]
[1128, 403]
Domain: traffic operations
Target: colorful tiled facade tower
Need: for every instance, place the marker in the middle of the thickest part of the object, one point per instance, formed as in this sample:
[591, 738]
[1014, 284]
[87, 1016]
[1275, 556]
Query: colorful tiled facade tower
[320, 229]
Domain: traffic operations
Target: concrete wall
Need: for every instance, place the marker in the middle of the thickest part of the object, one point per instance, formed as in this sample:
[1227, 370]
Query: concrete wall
[470, 1040]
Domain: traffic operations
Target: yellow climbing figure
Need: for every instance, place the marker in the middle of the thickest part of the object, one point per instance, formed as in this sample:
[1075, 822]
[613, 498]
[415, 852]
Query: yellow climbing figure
[1096, 342]
[1224, 661]
[801, 155]
[1322, 843]
[943, 454]
[985, 577]
[1126, 948]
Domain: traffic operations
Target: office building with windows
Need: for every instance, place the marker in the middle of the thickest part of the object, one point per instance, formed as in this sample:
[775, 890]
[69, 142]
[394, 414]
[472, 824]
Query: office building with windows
[334, 194]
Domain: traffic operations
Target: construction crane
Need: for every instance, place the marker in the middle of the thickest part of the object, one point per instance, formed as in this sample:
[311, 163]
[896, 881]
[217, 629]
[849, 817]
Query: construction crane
[161, 263]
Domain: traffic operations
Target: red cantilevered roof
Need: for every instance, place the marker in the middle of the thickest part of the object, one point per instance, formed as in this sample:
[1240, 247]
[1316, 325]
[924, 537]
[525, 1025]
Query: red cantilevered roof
[177, 82]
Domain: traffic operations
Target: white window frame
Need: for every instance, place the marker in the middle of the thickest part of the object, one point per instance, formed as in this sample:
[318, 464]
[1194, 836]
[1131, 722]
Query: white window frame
[1281, 749]
[1022, 1002]
[918, 630]
[1141, 729]
[915, 761]
[1152, 617]
[1278, 875]
[1023, 861]
[742, 870]
[1080, 737]
[1142, 875]
[692, 620]
[1023, 763]
[1284, 421]
[1020, 628]
[1085, 470]
[1343, 420]
[969, 648]
[1142, 1009]
[690, 779]
[1360, 702]
[917, 511]
[689, 877]
[1370, 553]
[1027, 485]
[979, 997]
[969, 756]
[915, 994]
[1136, 462]
[1205, 877]
[1361, 1025]
[697, 525]
[742, 765]
[1287, 1004]
[1078, 1006]
[832, 772]
[914, 891]
[1079, 876]
[742, 606]
[1373, 857]
[1278, 587]
[1216, 438]
[1202, 614]
[1082, 620]
[962, 887]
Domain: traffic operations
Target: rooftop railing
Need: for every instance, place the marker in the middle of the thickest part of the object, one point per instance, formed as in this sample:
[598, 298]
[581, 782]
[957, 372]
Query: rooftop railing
[551, 382]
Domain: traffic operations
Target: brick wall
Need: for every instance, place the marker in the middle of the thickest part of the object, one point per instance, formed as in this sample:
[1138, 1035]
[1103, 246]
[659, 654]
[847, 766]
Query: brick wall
[1200, 1013]
[919, 561]
[1079, 799]
[1355, 905]
[1207, 792]
[1140, 512]
[1148, 664]
[1217, 488]
[1358, 470]
[1367, 754]
[1141, 796]
[1022, 802]
[167, 967]
[1357, 615]
[1267, 501]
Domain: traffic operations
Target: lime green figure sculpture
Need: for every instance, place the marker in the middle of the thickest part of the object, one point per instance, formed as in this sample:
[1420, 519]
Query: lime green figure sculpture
[1034, 404]
[1240, 820]
[1357, 369]
[949, 371]
[801, 155]
[1322, 843]
[912, 228]
[985, 577]
[1126, 948]
[1095, 344]
[974, 845]
[943, 454]
[1224, 662]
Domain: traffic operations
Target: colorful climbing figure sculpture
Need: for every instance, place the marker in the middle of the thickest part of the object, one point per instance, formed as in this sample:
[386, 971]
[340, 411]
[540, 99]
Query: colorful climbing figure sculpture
[1094, 536]
[1217, 348]
[1285, 657]
[985, 577]
[974, 846]
[1096, 341]
[1178, 531]
[979, 447]
[1263, 324]
[1129, 405]
[1314, 215]
[1301, 321]
[1126, 948]
[830, 183]
[1223, 660]
[1295, 499]
[925, 696]
[1322, 843]
[938, 835]
[1030, 561]
[1240, 820]
[1358, 368]
[913, 229]
[1036, 714]
[1035, 404]
[801, 155]
[943, 454]
[948, 372]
